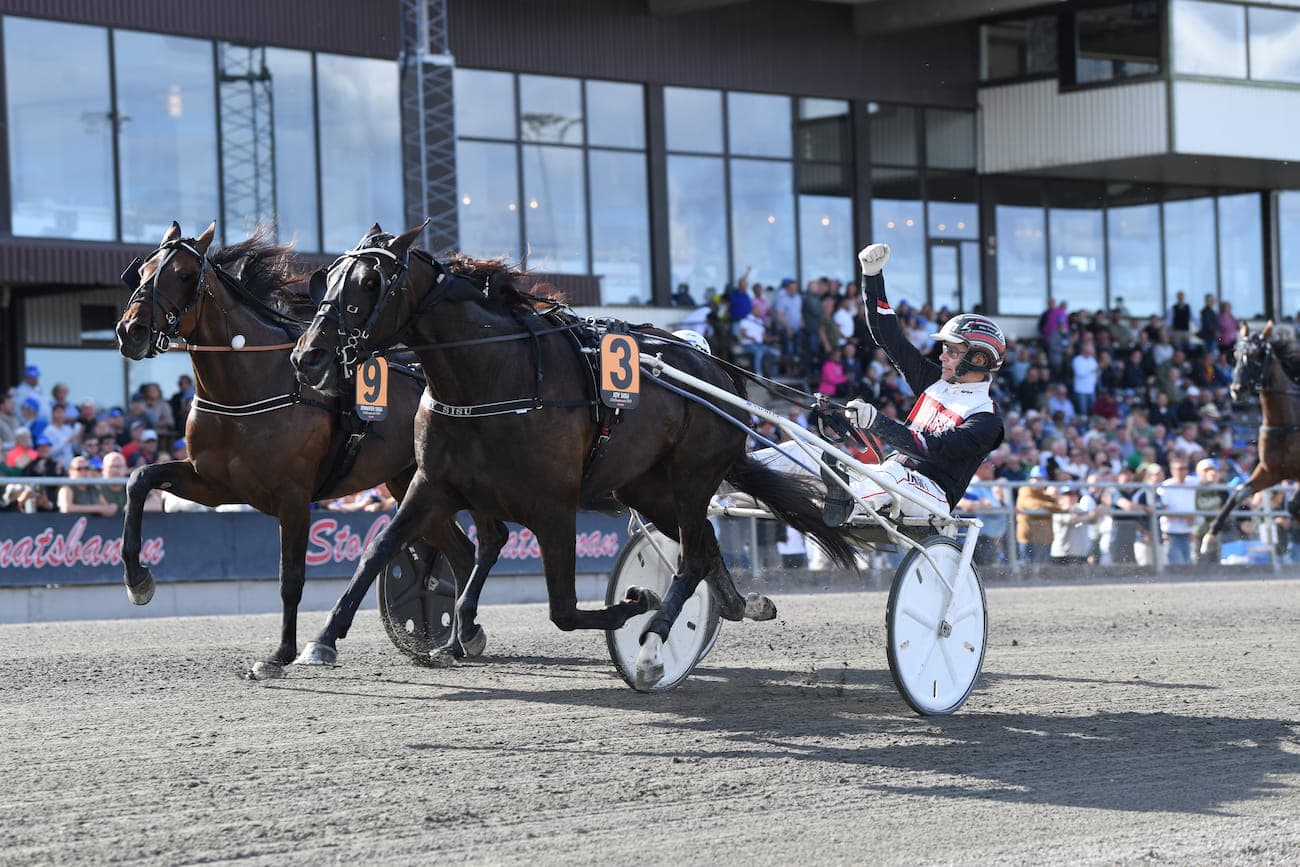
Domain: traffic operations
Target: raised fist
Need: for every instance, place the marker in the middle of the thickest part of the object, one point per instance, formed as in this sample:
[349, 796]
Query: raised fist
[872, 258]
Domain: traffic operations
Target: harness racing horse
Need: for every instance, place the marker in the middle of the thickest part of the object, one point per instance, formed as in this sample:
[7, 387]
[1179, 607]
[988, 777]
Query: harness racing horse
[507, 427]
[1271, 369]
[253, 436]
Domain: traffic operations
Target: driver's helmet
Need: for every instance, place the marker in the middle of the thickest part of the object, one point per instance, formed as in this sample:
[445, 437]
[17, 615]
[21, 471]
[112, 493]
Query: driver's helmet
[694, 338]
[987, 346]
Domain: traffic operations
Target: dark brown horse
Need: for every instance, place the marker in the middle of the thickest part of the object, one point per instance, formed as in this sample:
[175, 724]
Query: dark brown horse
[1270, 368]
[255, 435]
[508, 427]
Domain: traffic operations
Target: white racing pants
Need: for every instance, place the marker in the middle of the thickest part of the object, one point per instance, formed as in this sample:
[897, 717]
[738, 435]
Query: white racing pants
[926, 498]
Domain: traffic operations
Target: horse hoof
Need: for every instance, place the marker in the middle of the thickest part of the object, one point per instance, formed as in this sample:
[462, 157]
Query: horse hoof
[759, 607]
[266, 670]
[1207, 544]
[440, 658]
[316, 653]
[142, 591]
[647, 596]
[649, 663]
[473, 646]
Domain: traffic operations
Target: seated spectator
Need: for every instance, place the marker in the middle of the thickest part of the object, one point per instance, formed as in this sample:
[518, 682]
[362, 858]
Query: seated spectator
[62, 434]
[833, 378]
[44, 464]
[115, 468]
[375, 499]
[182, 400]
[30, 387]
[753, 340]
[28, 415]
[83, 499]
[21, 454]
[682, 297]
[25, 498]
[147, 452]
[90, 450]
[9, 421]
[156, 409]
[180, 450]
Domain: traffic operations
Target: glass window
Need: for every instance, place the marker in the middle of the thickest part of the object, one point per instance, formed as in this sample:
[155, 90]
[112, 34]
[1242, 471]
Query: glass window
[972, 280]
[555, 211]
[898, 219]
[697, 216]
[1189, 249]
[168, 140]
[762, 218]
[620, 226]
[758, 124]
[488, 184]
[1288, 233]
[952, 211]
[945, 276]
[1022, 259]
[485, 104]
[1078, 258]
[1274, 44]
[1133, 257]
[93, 374]
[60, 131]
[1241, 255]
[1209, 38]
[892, 134]
[949, 139]
[361, 147]
[823, 130]
[295, 147]
[825, 239]
[550, 109]
[1115, 42]
[615, 114]
[1012, 49]
[693, 119]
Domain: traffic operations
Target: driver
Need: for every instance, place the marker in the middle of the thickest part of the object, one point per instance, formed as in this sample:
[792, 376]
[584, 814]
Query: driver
[953, 426]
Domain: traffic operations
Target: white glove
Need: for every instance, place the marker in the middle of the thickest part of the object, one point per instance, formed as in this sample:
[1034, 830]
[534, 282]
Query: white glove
[861, 413]
[872, 258]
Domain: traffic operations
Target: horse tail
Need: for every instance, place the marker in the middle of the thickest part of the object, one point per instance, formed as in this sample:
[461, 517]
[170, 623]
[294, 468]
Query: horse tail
[795, 500]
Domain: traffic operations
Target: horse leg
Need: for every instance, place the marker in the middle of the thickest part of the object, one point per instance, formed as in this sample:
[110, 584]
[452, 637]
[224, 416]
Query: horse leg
[559, 559]
[1258, 481]
[492, 537]
[410, 520]
[178, 477]
[295, 521]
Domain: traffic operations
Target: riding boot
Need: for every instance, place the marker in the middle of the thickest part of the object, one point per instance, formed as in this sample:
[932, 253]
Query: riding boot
[839, 505]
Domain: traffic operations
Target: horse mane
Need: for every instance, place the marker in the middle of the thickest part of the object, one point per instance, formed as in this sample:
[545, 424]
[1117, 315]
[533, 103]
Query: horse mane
[1287, 352]
[269, 273]
[506, 283]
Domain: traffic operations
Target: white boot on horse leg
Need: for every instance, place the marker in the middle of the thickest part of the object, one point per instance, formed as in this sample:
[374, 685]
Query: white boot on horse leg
[316, 653]
[650, 662]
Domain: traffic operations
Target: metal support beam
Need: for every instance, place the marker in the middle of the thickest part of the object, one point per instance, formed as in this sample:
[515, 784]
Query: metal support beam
[892, 16]
[428, 123]
[247, 140]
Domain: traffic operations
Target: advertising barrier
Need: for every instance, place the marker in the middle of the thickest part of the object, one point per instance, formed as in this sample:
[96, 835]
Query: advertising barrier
[46, 548]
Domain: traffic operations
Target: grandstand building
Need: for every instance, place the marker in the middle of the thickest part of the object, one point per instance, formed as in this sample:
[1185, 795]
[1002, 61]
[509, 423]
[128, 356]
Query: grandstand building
[1108, 153]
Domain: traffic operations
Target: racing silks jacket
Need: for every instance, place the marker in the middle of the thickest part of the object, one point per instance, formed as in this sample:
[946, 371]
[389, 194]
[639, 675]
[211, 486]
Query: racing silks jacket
[953, 426]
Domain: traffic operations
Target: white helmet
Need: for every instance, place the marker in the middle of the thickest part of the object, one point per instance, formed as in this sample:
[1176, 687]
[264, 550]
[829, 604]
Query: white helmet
[694, 338]
[987, 347]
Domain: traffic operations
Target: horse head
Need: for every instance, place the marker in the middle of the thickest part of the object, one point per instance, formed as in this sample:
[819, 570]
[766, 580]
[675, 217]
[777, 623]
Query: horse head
[1253, 356]
[165, 288]
[367, 301]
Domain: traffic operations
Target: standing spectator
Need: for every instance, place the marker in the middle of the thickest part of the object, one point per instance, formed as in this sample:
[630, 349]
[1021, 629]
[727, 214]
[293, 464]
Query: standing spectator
[62, 434]
[1179, 320]
[682, 297]
[989, 505]
[810, 335]
[1146, 548]
[792, 548]
[1053, 320]
[833, 378]
[83, 499]
[1209, 330]
[1034, 532]
[753, 340]
[9, 421]
[739, 304]
[1227, 328]
[182, 400]
[30, 388]
[29, 415]
[1177, 499]
[1071, 527]
[787, 317]
[845, 317]
[1086, 370]
[1208, 500]
[1119, 527]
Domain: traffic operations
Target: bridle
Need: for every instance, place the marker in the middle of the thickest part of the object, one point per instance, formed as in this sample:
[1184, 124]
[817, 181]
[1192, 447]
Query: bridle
[354, 344]
[161, 336]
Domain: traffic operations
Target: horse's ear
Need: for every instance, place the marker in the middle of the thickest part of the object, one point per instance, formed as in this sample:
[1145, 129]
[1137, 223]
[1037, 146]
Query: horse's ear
[374, 230]
[316, 286]
[173, 232]
[1266, 330]
[403, 242]
[204, 240]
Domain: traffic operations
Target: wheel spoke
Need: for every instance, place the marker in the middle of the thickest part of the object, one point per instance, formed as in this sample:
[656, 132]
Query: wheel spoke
[968, 611]
[947, 662]
[928, 655]
[920, 618]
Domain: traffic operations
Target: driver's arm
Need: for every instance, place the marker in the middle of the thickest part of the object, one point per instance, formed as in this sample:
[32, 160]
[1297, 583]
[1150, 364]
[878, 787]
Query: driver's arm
[978, 435]
[882, 322]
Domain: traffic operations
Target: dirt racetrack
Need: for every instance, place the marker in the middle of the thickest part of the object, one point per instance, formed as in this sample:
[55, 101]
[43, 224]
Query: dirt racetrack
[1113, 723]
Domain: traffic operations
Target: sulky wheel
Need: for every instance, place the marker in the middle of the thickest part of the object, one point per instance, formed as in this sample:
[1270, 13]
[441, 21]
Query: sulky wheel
[934, 661]
[693, 634]
[417, 594]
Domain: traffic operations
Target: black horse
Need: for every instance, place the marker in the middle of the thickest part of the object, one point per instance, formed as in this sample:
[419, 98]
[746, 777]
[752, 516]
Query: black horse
[254, 436]
[509, 426]
[1270, 368]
